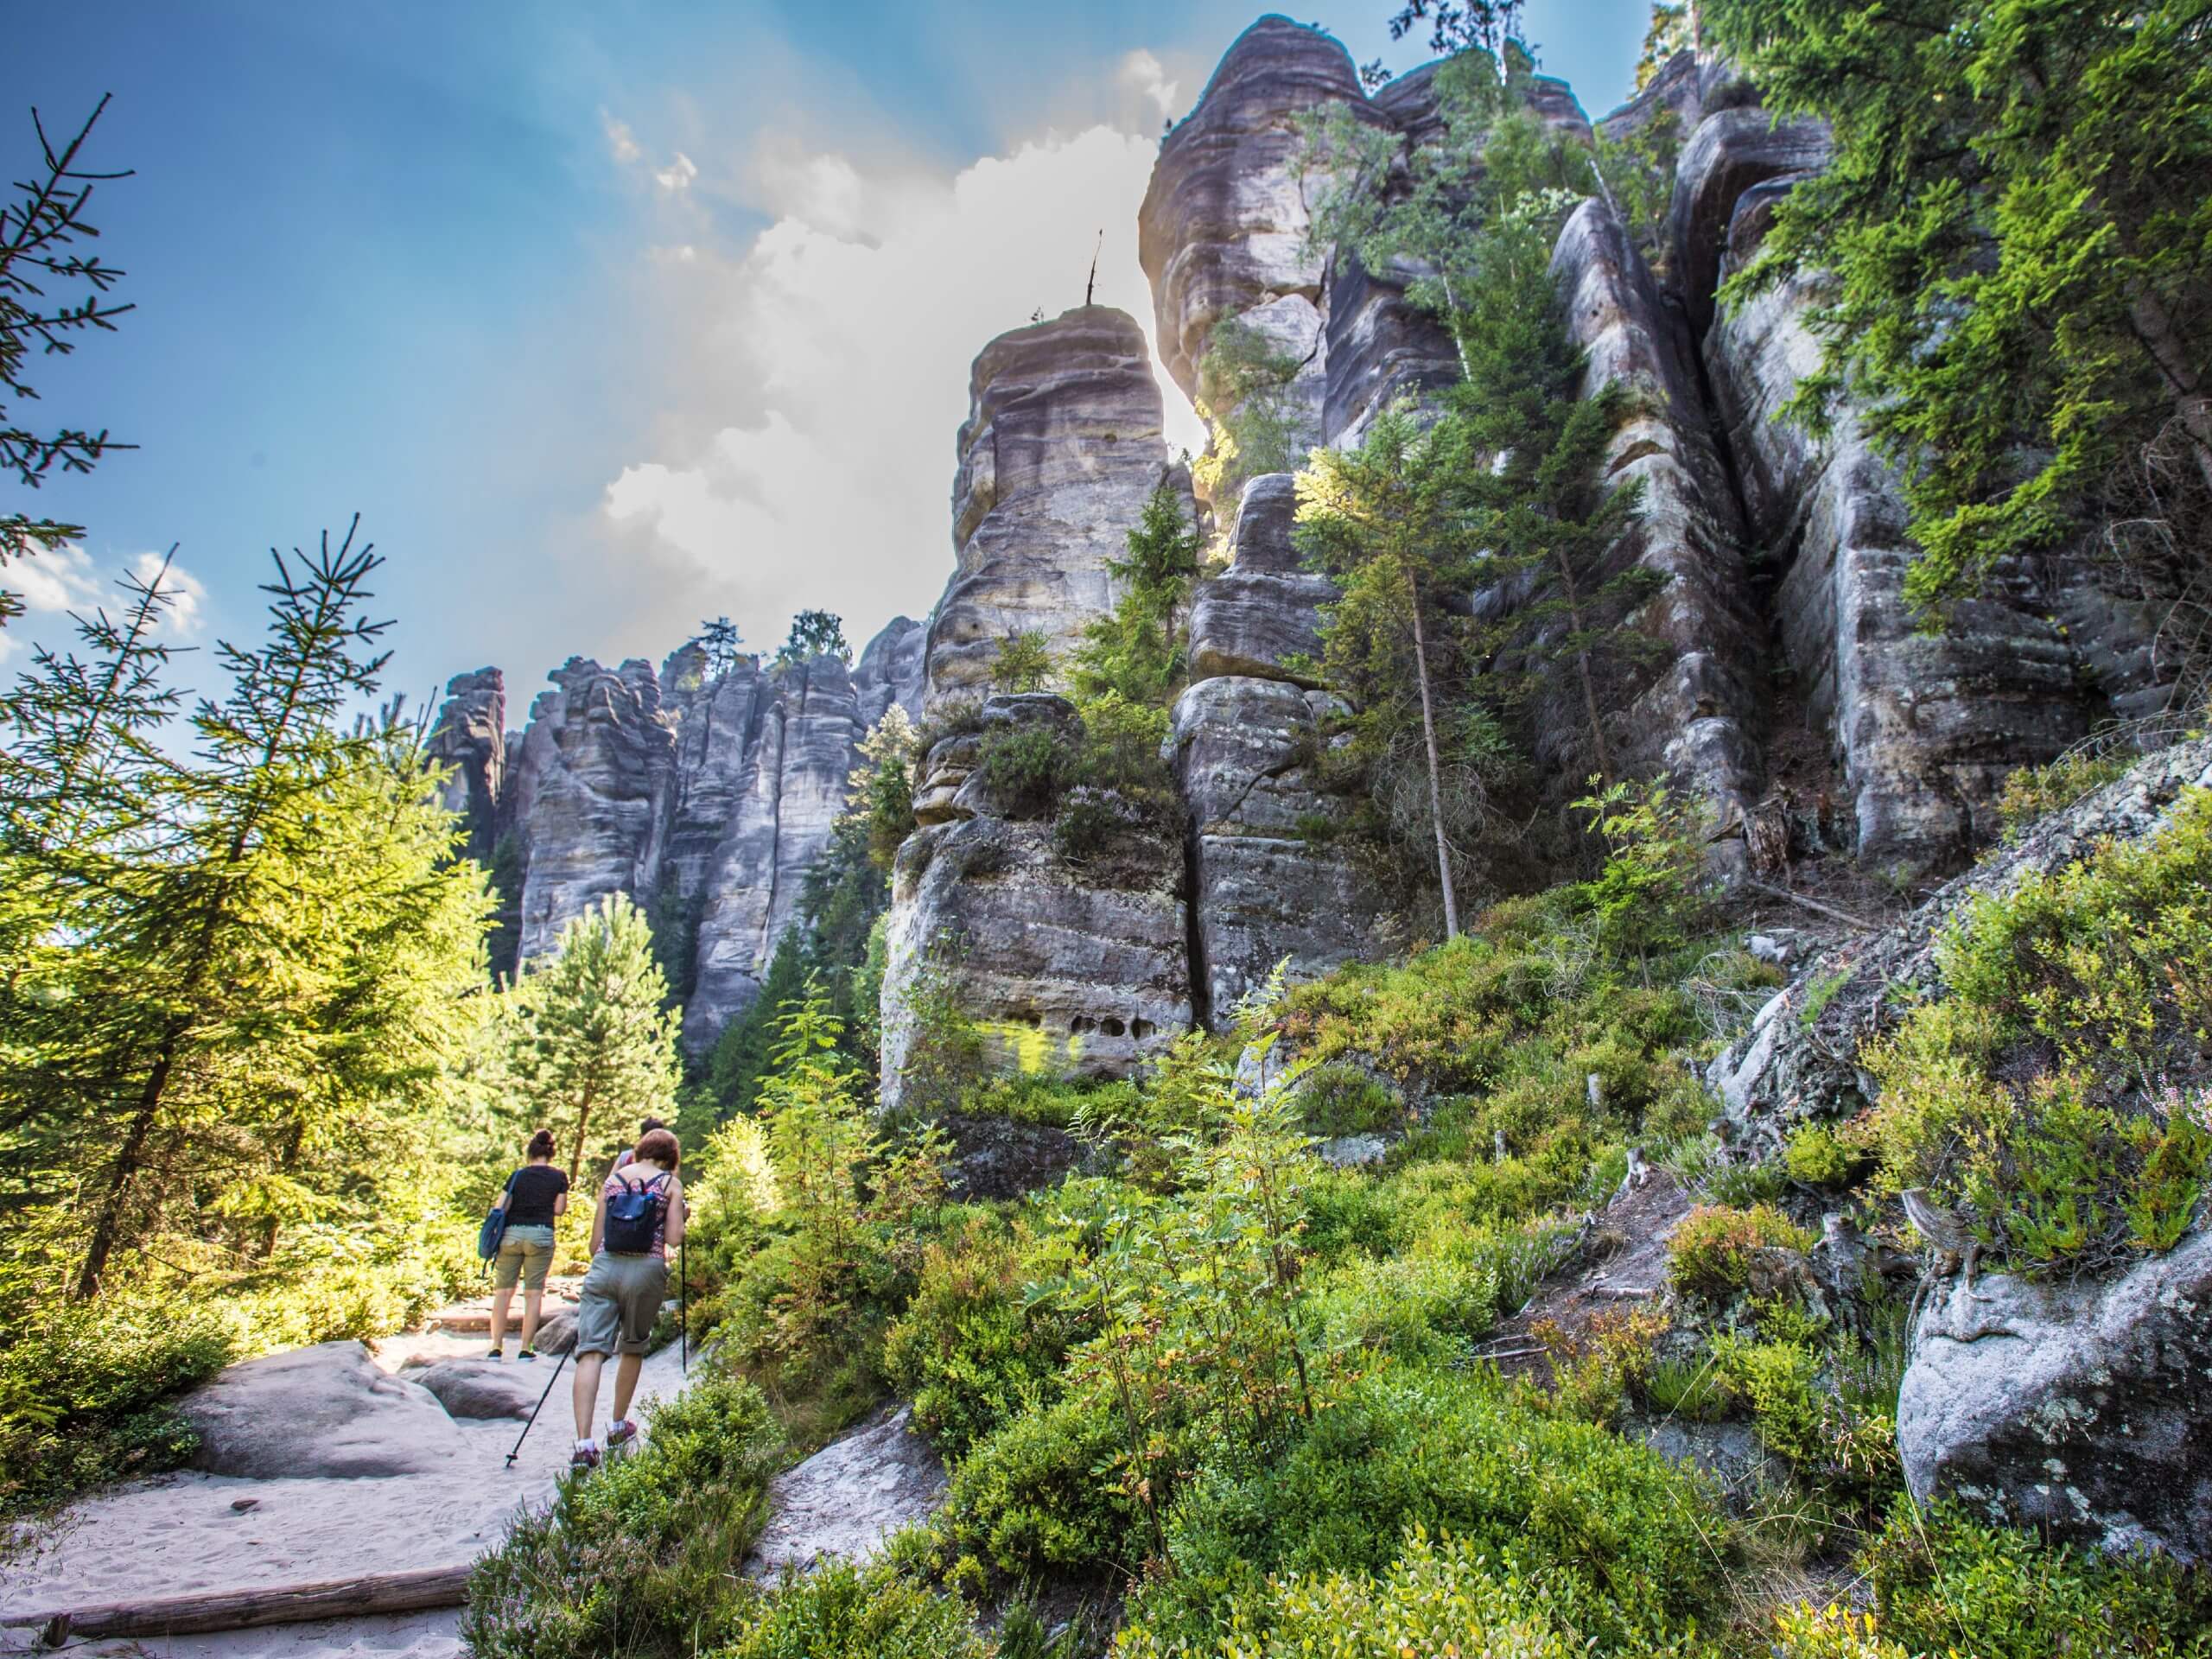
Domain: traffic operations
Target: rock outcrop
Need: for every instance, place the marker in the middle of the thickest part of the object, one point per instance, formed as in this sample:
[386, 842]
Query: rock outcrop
[1078, 965]
[704, 793]
[842, 1503]
[324, 1411]
[2077, 1409]
[1799, 1058]
[1062, 447]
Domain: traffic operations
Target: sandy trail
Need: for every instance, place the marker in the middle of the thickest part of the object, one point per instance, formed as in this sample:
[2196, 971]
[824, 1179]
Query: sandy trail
[179, 1535]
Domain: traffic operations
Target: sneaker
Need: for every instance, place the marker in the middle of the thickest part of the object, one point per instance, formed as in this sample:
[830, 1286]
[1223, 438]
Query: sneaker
[584, 1458]
[495, 1355]
[527, 1353]
[620, 1433]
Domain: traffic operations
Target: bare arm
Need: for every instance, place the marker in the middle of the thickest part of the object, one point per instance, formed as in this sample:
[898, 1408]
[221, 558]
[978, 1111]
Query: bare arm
[678, 1212]
[599, 1223]
[561, 1203]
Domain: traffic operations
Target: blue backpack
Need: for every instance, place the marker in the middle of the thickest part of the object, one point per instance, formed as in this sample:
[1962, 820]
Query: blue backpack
[489, 1235]
[633, 1217]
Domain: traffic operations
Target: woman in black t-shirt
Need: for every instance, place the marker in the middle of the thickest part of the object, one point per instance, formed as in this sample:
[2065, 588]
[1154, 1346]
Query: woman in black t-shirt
[535, 1194]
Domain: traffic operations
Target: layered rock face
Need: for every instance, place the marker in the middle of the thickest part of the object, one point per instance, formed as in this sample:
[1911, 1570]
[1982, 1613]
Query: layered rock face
[704, 797]
[1062, 447]
[1078, 966]
[1925, 724]
[1265, 884]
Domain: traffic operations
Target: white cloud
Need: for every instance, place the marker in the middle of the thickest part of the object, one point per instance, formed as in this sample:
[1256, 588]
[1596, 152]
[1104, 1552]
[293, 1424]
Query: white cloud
[1144, 77]
[67, 580]
[621, 142]
[803, 455]
[678, 174]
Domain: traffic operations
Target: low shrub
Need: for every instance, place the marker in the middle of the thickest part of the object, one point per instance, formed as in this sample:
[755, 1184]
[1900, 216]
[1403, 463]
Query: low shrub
[1344, 1100]
[2049, 1094]
[1033, 1497]
[641, 1558]
[842, 1611]
[2033, 792]
[1623, 1538]
[1025, 765]
[1945, 1582]
[86, 1393]
[1818, 1156]
[1716, 1251]
[967, 1350]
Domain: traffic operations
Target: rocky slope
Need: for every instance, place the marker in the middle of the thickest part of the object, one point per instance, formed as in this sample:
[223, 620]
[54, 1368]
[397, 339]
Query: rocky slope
[704, 797]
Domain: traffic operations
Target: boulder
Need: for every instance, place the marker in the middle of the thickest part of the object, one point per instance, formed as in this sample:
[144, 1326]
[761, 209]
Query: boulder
[1062, 447]
[842, 1503]
[324, 1411]
[557, 1332]
[485, 1388]
[2078, 1410]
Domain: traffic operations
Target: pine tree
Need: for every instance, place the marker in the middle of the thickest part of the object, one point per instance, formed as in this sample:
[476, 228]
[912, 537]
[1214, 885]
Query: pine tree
[251, 954]
[815, 633]
[595, 1044]
[718, 639]
[2016, 244]
[743, 1055]
[1135, 651]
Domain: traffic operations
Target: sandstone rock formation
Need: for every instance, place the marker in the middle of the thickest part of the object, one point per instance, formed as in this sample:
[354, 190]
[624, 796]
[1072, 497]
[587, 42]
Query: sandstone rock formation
[705, 797]
[1062, 447]
[1080, 966]
[324, 1411]
[2075, 1409]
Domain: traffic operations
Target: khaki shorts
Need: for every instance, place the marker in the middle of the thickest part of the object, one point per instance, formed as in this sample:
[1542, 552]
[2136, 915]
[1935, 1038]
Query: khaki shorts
[525, 1252]
[622, 1296]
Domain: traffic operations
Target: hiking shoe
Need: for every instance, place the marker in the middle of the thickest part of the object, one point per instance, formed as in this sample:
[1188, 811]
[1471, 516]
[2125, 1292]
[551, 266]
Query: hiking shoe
[584, 1459]
[620, 1433]
[495, 1354]
[527, 1353]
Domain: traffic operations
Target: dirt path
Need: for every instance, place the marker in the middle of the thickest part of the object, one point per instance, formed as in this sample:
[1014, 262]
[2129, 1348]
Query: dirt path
[186, 1534]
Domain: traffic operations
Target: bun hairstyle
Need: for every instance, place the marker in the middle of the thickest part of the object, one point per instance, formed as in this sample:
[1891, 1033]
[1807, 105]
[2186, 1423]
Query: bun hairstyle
[541, 1144]
[650, 1124]
[658, 1146]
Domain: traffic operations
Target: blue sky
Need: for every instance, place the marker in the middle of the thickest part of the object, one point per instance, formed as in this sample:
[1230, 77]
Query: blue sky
[605, 317]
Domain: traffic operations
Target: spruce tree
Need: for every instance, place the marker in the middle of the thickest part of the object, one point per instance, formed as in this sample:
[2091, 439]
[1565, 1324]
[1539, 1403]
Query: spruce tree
[595, 1044]
[1135, 650]
[2016, 243]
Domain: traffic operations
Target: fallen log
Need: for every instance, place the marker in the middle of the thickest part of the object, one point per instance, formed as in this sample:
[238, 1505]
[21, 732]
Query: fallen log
[416, 1592]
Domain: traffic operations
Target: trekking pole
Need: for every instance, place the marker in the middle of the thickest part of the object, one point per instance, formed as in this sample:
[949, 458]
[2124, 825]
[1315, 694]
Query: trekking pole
[535, 1410]
[683, 1306]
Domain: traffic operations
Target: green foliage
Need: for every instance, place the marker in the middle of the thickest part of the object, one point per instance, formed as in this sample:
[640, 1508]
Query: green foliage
[1818, 1156]
[593, 1044]
[1688, 1388]
[1029, 1497]
[1344, 1100]
[2015, 241]
[1941, 1579]
[1025, 765]
[1243, 397]
[842, 1611]
[1639, 172]
[718, 641]
[1716, 1252]
[2035, 792]
[39, 238]
[969, 1350]
[1623, 1540]
[1647, 895]
[1023, 663]
[84, 1391]
[2034, 1094]
[643, 1557]
[814, 633]
[230, 977]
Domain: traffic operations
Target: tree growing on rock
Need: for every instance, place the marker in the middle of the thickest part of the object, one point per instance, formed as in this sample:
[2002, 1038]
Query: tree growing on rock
[815, 633]
[595, 1044]
[2019, 243]
[719, 640]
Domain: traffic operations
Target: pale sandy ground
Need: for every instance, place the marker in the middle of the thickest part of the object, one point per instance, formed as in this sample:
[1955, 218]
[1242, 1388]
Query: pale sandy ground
[179, 1535]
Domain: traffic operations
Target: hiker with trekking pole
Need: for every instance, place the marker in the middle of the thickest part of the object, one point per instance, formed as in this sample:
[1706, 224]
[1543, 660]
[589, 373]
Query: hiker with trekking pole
[641, 1213]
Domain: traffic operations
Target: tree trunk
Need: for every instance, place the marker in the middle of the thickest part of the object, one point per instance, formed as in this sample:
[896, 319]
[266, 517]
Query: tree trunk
[2191, 403]
[1435, 769]
[128, 1158]
[1583, 670]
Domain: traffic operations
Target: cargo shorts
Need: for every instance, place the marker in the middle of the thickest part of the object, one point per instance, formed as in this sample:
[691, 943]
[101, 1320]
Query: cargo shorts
[622, 1296]
[525, 1252]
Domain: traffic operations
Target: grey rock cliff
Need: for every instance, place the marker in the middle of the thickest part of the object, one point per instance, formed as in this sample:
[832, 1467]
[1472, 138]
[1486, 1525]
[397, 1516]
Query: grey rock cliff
[470, 737]
[1062, 447]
